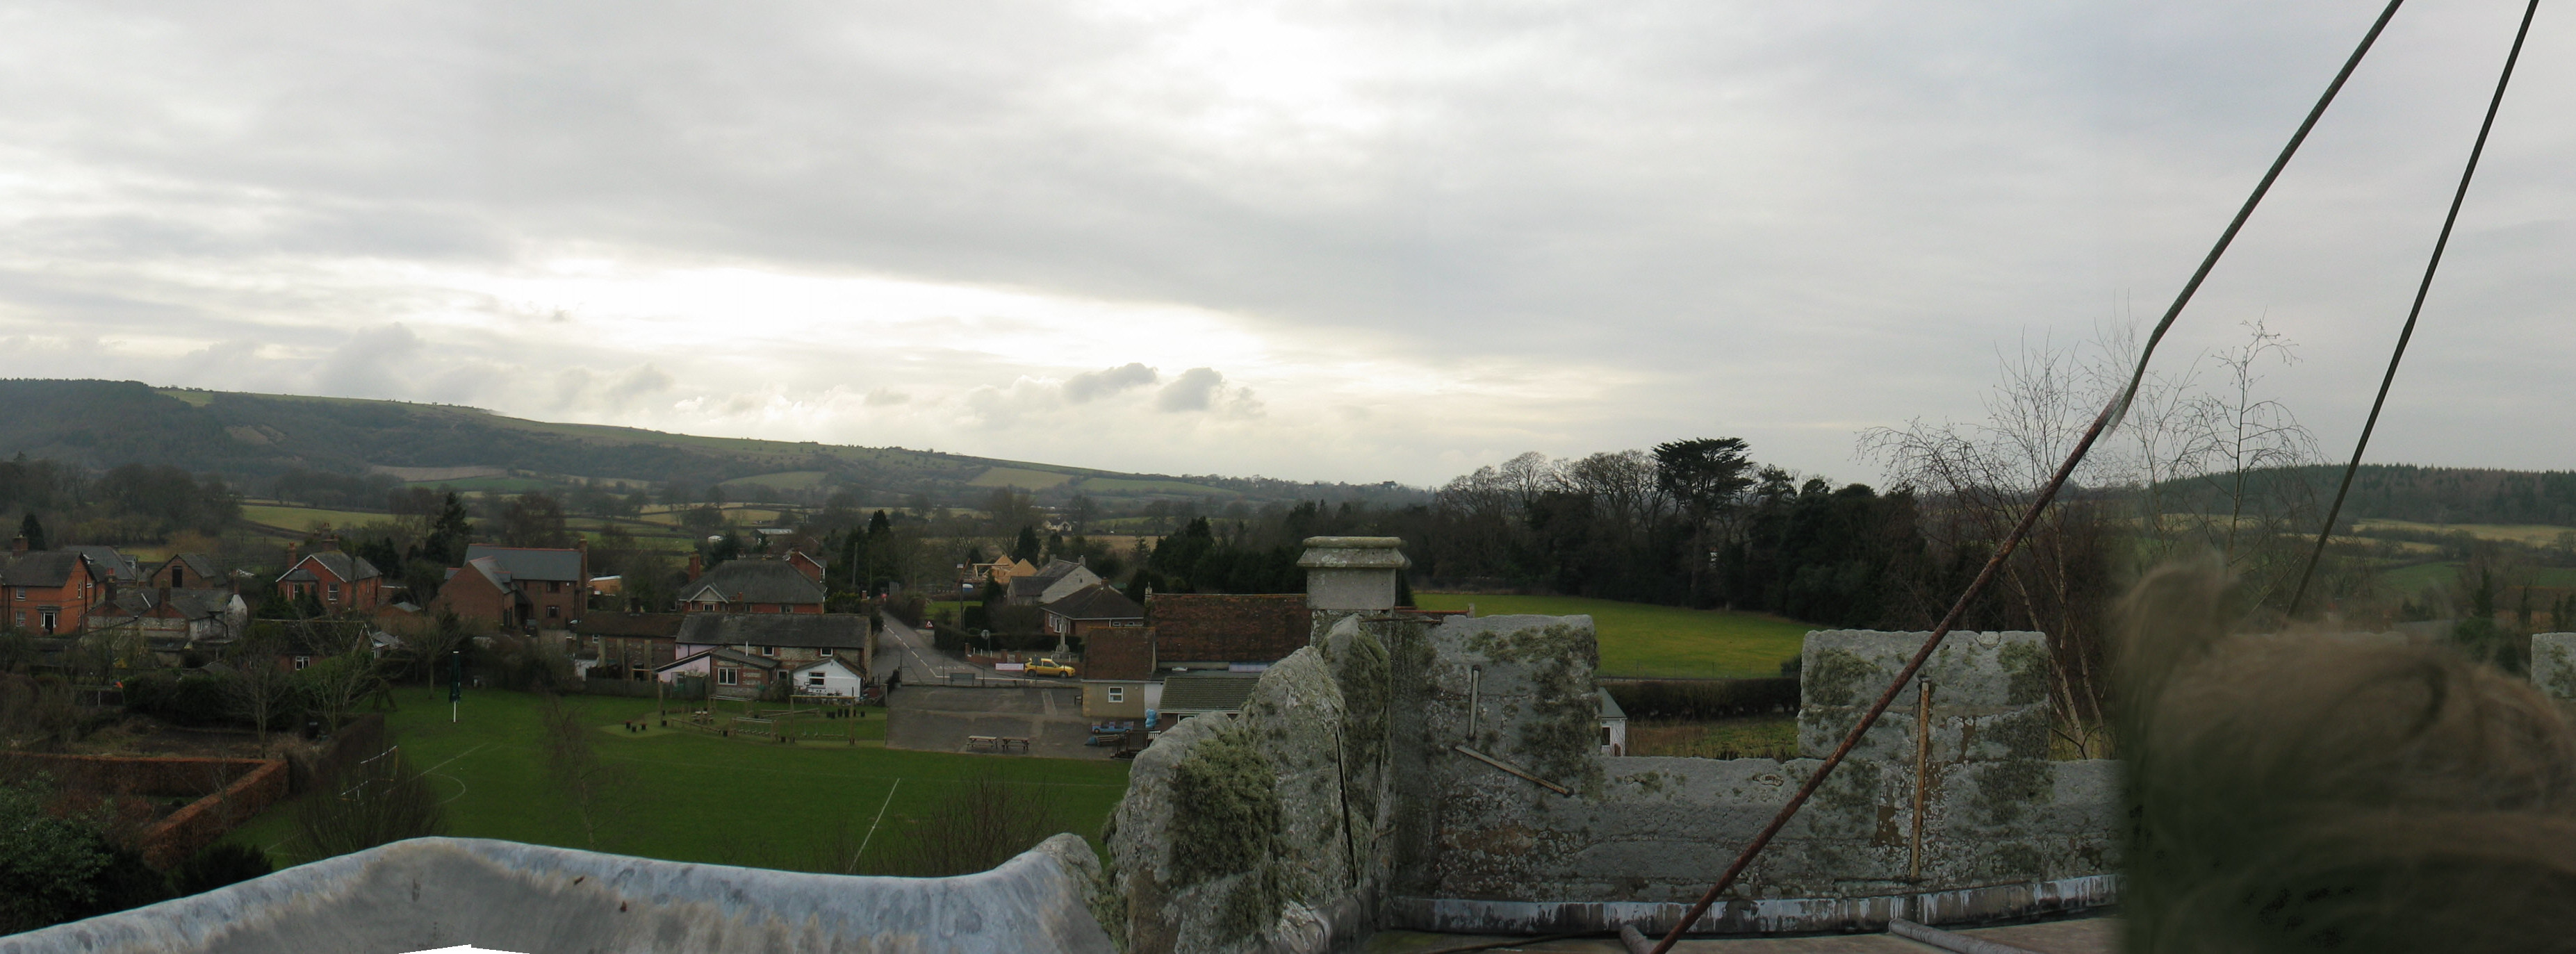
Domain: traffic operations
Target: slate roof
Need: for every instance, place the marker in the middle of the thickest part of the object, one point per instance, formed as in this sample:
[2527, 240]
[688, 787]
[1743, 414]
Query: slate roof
[722, 654]
[1126, 654]
[347, 566]
[531, 563]
[810, 630]
[1034, 585]
[42, 568]
[754, 581]
[1228, 627]
[1203, 692]
[1097, 601]
[116, 566]
[1610, 707]
[629, 625]
[199, 566]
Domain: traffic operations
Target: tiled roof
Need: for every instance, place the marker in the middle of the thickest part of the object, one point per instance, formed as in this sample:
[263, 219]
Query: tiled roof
[754, 581]
[198, 565]
[1097, 601]
[43, 568]
[111, 564]
[1202, 692]
[651, 625]
[1610, 707]
[1228, 627]
[349, 567]
[531, 563]
[721, 654]
[837, 630]
[1126, 653]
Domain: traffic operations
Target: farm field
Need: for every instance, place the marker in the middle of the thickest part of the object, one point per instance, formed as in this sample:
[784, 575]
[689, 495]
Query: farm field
[1642, 639]
[2423, 576]
[695, 797]
[2530, 534]
[292, 517]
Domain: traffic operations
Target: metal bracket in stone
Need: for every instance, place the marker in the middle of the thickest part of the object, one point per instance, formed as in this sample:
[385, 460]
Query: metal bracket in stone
[1514, 769]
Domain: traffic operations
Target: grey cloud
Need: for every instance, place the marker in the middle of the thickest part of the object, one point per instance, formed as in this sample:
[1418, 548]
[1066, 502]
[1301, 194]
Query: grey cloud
[1083, 387]
[369, 363]
[641, 382]
[1203, 389]
[886, 397]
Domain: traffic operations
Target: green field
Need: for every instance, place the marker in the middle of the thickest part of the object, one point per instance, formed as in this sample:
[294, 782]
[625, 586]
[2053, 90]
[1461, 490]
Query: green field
[1018, 477]
[695, 797]
[1640, 639]
[292, 517]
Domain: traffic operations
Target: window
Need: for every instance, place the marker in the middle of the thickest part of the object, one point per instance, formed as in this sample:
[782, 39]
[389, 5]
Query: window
[554, 586]
[335, 592]
[22, 592]
[48, 616]
[22, 617]
[728, 676]
[825, 652]
[814, 679]
[553, 611]
[771, 651]
[303, 661]
[1117, 693]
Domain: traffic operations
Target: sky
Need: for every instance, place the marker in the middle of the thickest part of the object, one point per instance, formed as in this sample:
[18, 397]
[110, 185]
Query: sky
[1329, 241]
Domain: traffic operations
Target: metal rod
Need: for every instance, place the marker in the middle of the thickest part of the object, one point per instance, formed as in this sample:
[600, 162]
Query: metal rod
[2421, 289]
[2047, 494]
[1514, 769]
[1922, 762]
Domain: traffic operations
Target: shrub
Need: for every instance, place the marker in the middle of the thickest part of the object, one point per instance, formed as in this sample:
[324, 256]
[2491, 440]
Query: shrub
[192, 699]
[368, 803]
[217, 866]
[1704, 698]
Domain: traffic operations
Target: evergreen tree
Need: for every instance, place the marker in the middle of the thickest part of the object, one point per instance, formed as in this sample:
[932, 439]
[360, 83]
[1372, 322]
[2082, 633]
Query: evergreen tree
[448, 535]
[34, 532]
[1027, 547]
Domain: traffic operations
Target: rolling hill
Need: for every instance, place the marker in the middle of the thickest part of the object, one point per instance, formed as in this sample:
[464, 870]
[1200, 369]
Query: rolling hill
[253, 438]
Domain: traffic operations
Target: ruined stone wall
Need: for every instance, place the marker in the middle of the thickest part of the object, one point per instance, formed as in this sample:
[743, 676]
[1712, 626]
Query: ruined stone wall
[1495, 809]
[2553, 665]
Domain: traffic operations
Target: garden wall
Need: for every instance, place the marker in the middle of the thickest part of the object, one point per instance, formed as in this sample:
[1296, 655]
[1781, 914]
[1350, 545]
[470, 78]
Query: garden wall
[231, 790]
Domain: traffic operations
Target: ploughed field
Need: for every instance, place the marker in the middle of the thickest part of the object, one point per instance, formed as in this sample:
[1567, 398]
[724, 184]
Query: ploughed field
[1645, 640]
[690, 796]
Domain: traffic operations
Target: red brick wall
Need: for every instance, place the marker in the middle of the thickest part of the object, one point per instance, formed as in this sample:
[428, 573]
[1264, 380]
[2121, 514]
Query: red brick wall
[253, 785]
[473, 598]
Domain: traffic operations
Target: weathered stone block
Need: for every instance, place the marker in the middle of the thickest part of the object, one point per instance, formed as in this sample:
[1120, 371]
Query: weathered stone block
[2553, 665]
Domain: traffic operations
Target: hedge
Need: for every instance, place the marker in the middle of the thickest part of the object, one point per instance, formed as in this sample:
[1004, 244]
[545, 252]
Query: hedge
[1704, 698]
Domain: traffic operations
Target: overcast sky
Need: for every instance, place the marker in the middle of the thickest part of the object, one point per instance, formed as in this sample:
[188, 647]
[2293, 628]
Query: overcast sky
[1329, 241]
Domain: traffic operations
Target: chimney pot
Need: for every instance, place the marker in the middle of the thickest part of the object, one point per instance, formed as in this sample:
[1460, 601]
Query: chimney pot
[18, 544]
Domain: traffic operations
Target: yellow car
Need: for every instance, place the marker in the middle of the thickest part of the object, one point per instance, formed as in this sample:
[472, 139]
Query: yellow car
[1049, 667]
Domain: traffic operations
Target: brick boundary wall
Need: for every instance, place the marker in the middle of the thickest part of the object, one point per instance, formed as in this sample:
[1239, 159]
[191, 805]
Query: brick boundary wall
[255, 785]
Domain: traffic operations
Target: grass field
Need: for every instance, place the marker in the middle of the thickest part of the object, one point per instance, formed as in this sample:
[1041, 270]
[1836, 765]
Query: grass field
[1640, 639]
[695, 797]
[1018, 477]
[2531, 534]
[293, 517]
[1773, 737]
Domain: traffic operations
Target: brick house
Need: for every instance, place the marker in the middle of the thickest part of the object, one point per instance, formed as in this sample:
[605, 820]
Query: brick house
[341, 581]
[1215, 630]
[189, 571]
[50, 591]
[791, 639]
[1092, 608]
[752, 585]
[1118, 674]
[518, 587]
[174, 622]
[636, 643]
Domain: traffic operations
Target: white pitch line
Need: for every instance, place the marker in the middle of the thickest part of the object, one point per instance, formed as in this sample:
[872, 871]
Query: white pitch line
[872, 826]
[453, 758]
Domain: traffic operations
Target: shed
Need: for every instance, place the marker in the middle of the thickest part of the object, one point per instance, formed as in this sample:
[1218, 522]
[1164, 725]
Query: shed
[826, 677]
[1614, 725]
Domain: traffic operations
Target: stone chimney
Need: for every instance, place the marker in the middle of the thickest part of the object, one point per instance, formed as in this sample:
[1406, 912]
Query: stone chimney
[1352, 573]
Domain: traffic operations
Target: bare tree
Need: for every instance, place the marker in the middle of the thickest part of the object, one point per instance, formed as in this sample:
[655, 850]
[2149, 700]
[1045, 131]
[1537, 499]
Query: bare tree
[983, 824]
[259, 688]
[595, 787]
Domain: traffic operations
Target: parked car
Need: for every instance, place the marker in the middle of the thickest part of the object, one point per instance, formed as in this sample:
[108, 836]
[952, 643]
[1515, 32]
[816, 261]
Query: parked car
[1049, 667]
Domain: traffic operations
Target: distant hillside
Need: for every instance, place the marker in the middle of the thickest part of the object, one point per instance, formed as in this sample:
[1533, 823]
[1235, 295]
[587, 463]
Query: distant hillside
[2435, 495]
[254, 438]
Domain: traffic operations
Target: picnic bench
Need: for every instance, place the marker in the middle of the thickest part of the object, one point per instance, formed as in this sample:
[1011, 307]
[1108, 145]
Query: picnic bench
[997, 743]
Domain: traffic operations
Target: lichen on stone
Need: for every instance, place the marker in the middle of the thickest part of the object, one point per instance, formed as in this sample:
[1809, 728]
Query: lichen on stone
[2025, 673]
[1225, 809]
[1836, 677]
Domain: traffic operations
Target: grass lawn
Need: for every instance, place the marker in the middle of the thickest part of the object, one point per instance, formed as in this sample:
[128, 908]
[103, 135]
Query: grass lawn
[695, 797]
[1642, 639]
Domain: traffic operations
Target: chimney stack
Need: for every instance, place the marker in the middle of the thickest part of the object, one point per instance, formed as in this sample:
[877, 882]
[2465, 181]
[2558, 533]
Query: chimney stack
[18, 544]
[1352, 573]
[330, 544]
[697, 567]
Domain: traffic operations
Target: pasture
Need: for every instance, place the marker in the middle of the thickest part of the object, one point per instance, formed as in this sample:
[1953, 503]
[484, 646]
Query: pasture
[695, 797]
[1642, 639]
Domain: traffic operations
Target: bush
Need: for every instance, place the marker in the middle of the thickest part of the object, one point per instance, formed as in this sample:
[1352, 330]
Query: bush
[193, 699]
[909, 608]
[217, 866]
[371, 802]
[1704, 698]
[62, 869]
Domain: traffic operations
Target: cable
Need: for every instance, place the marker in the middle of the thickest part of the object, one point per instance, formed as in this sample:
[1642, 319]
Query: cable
[2047, 493]
[2422, 289]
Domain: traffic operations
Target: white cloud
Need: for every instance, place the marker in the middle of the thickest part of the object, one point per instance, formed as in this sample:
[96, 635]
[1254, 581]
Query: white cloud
[1092, 384]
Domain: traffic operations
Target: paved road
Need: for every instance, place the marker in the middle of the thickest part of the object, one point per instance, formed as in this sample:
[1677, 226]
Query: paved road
[912, 654]
[939, 718]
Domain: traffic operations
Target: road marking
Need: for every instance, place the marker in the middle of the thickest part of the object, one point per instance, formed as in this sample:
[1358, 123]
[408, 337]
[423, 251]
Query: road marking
[872, 826]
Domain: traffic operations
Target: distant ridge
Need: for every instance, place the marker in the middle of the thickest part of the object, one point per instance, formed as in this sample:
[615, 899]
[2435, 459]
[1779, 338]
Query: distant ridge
[252, 438]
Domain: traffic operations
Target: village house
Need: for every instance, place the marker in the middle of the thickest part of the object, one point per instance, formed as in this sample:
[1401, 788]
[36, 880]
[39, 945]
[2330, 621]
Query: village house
[1058, 580]
[828, 677]
[753, 585]
[790, 639]
[1090, 609]
[119, 570]
[174, 622]
[50, 591]
[190, 571]
[340, 581]
[1118, 674]
[517, 588]
[634, 643]
[1239, 631]
[728, 673]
